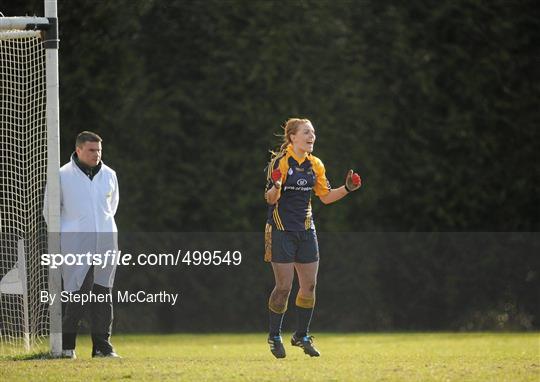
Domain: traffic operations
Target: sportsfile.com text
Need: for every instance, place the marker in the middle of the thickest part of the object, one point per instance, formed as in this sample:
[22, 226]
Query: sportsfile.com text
[109, 258]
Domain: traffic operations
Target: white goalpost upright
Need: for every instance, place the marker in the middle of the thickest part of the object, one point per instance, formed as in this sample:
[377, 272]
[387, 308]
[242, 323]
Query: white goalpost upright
[29, 161]
[53, 174]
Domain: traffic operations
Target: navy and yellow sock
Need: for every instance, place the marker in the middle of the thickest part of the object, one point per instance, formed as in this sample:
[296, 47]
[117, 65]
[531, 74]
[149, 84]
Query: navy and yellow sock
[304, 312]
[276, 314]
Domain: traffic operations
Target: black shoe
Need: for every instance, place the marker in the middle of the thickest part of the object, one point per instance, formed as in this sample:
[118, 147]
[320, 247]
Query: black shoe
[100, 354]
[276, 346]
[305, 343]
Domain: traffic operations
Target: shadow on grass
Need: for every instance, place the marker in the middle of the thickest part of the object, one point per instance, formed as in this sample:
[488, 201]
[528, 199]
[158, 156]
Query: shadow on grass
[29, 357]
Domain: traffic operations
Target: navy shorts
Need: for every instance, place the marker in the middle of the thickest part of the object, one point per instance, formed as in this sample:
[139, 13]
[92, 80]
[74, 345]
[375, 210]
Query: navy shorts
[294, 246]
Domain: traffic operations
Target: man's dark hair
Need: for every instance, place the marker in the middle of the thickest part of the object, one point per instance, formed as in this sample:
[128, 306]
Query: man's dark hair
[87, 136]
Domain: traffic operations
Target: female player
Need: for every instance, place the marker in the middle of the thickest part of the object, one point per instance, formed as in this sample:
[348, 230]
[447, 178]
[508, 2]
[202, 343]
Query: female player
[290, 237]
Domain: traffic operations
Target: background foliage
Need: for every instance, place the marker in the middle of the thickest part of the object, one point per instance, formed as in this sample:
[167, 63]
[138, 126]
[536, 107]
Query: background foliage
[434, 103]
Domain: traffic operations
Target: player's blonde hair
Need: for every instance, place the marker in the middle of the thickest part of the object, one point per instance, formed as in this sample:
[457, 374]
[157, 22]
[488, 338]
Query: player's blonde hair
[290, 127]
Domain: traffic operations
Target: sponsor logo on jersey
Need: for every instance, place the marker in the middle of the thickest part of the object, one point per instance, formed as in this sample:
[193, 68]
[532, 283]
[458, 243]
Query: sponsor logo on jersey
[296, 188]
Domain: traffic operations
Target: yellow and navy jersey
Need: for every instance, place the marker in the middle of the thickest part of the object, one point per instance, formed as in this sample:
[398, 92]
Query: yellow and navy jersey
[299, 176]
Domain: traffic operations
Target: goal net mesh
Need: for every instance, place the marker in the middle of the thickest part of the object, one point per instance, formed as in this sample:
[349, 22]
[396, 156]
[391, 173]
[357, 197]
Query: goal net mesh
[23, 167]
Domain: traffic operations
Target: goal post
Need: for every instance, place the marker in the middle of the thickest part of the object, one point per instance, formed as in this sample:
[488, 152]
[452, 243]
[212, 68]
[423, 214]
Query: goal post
[29, 161]
[53, 171]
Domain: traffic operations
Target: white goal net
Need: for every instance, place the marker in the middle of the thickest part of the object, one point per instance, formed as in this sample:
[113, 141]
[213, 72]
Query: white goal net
[24, 320]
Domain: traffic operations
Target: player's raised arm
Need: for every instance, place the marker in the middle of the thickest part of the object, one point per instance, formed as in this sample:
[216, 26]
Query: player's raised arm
[352, 183]
[272, 195]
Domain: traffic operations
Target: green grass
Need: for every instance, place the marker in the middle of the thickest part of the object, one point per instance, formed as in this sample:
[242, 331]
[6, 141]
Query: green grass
[345, 357]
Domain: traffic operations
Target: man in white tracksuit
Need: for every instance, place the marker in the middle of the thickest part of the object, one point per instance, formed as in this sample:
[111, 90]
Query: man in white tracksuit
[88, 201]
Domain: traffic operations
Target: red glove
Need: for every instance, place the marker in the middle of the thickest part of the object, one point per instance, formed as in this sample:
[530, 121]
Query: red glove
[357, 181]
[352, 181]
[276, 177]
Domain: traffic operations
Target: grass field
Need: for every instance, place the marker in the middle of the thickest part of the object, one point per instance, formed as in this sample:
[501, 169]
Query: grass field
[345, 357]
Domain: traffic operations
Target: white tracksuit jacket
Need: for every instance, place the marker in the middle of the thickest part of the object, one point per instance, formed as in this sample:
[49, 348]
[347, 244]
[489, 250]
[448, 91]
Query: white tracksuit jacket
[87, 209]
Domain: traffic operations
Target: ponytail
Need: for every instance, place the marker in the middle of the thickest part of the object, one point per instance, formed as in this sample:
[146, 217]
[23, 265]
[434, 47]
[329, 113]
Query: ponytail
[290, 127]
